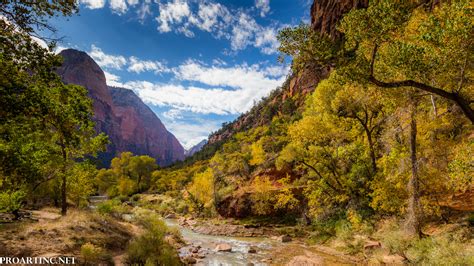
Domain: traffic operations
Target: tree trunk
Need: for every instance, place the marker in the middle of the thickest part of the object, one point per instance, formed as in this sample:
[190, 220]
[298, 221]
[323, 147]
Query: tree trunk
[139, 180]
[372, 152]
[413, 220]
[63, 196]
[63, 185]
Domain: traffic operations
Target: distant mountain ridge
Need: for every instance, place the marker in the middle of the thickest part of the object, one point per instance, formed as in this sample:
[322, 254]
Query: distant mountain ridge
[120, 113]
[195, 148]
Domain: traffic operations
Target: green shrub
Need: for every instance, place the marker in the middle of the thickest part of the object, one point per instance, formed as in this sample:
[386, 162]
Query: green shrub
[343, 229]
[396, 240]
[110, 207]
[11, 201]
[439, 251]
[123, 198]
[135, 197]
[93, 255]
[150, 248]
[470, 219]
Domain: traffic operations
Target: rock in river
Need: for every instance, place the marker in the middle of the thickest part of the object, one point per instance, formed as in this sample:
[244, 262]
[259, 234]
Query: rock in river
[252, 249]
[224, 247]
[284, 239]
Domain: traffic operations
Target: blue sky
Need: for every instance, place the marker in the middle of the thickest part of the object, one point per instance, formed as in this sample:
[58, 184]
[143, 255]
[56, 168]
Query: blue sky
[196, 63]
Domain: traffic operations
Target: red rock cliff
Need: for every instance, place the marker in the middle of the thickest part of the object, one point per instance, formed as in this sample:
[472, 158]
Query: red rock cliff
[129, 123]
[142, 131]
[325, 14]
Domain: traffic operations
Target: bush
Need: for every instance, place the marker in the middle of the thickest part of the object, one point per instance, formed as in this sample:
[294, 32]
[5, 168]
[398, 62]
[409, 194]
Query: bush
[439, 250]
[343, 230]
[395, 240]
[92, 254]
[135, 197]
[110, 207]
[150, 248]
[126, 186]
[11, 201]
[470, 219]
[123, 198]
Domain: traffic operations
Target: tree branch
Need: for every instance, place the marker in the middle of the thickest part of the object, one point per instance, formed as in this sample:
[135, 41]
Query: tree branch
[455, 97]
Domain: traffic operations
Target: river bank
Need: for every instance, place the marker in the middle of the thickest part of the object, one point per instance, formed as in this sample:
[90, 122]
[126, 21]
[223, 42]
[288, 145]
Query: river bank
[217, 241]
[230, 249]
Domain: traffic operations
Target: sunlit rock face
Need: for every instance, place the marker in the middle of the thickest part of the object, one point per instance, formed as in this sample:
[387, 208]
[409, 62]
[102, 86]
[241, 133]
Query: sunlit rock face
[119, 113]
[325, 14]
[142, 131]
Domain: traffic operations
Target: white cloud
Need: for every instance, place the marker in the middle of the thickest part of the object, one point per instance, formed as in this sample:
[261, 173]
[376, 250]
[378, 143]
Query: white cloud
[40, 42]
[191, 133]
[183, 16]
[241, 76]
[106, 60]
[136, 65]
[266, 40]
[93, 4]
[172, 12]
[219, 62]
[132, 64]
[59, 48]
[118, 6]
[238, 26]
[263, 6]
[247, 83]
[212, 17]
[112, 80]
[173, 114]
[132, 2]
[277, 71]
[242, 32]
[143, 11]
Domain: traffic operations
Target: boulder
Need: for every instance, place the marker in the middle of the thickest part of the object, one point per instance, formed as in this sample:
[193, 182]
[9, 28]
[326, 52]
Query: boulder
[224, 247]
[252, 249]
[191, 222]
[127, 217]
[393, 259]
[189, 260]
[284, 239]
[372, 245]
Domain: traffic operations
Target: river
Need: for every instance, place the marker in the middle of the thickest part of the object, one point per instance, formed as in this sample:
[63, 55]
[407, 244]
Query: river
[268, 251]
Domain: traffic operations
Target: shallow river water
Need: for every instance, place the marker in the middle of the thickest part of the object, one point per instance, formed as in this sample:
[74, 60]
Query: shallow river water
[267, 248]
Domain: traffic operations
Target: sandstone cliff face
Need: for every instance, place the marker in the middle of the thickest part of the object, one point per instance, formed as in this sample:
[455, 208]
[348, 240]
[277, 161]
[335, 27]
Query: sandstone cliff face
[325, 14]
[142, 131]
[80, 69]
[129, 123]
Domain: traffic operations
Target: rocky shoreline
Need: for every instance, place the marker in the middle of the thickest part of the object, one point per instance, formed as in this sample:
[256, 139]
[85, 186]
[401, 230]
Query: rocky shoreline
[234, 230]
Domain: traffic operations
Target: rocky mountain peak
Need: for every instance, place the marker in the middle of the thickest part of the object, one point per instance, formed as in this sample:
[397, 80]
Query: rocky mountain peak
[120, 113]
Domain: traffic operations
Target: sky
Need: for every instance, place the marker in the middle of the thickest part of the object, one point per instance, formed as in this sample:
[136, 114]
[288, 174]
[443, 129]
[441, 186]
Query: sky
[196, 63]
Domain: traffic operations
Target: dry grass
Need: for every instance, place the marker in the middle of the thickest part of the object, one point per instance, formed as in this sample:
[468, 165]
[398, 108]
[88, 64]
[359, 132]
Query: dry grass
[53, 234]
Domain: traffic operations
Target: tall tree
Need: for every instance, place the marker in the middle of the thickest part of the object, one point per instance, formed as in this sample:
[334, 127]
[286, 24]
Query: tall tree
[45, 125]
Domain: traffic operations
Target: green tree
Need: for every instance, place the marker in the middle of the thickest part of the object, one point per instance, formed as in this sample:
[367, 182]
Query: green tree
[201, 190]
[141, 168]
[422, 55]
[128, 174]
[73, 134]
[45, 125]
